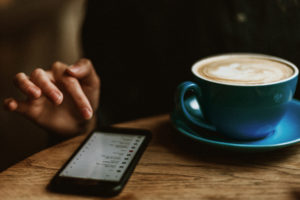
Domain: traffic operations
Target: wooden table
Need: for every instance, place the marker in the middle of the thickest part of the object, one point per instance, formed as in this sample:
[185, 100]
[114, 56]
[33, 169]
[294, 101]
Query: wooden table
[173, 167]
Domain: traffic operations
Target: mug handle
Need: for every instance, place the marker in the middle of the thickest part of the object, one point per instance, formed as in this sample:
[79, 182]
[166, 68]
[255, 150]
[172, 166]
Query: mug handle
[181, 106]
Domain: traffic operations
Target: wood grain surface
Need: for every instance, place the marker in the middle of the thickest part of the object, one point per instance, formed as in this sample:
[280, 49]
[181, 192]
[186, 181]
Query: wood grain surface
[173, 167]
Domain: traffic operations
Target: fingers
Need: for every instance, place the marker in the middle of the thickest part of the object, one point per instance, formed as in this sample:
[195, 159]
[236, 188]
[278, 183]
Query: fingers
[48, 84]
[10, 104]
[26, 86]
[84, 70]
[73, 88]
[38, 83]
[13, 105]
[42, 80]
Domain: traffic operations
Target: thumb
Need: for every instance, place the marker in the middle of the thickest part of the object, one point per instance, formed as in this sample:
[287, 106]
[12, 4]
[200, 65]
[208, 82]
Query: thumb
[85, 72]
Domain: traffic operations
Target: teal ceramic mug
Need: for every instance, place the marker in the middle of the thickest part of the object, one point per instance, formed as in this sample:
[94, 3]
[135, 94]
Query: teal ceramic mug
[241, 96]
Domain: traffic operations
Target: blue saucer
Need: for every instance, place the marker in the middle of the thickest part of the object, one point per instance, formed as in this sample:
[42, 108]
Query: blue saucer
[287, 132]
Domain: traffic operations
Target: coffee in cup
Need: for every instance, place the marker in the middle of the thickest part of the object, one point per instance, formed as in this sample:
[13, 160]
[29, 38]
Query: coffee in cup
[241, 96]
[244, 70]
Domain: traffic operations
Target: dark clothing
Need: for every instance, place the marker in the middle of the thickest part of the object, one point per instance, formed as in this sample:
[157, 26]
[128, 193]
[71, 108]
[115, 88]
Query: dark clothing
[143, 49]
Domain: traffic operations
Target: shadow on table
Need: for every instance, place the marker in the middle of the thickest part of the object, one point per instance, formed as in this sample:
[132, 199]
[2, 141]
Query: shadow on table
[296, 194]
[184, 146]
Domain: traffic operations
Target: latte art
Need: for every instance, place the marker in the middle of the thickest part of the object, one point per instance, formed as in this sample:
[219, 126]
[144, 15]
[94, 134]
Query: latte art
[245, 71]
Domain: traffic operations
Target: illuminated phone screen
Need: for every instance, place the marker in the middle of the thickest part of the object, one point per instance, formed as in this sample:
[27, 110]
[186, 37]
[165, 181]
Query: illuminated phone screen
[105, 156]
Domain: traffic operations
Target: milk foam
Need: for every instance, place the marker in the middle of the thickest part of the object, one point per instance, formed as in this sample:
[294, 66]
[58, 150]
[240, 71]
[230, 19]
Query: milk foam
[245, 70]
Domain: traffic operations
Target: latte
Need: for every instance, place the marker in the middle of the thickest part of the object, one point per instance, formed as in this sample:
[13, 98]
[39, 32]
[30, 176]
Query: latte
[244, 70]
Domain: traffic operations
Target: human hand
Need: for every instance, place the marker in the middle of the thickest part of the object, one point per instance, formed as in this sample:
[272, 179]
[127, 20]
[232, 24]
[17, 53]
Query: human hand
[62, 99]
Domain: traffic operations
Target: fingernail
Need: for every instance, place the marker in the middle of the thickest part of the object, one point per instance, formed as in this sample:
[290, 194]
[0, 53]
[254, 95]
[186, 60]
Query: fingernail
[87, 113]
[74, 68]
[57, 97]
[36, 93]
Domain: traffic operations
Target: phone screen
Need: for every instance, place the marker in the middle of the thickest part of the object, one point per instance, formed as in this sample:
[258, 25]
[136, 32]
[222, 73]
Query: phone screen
[105, 156]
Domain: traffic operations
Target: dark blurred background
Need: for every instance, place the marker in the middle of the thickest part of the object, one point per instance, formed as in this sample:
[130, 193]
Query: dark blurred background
[33, 34]
[120, 35]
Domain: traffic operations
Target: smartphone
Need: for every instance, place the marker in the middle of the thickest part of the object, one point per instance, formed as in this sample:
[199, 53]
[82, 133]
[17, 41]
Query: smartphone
[103, 163]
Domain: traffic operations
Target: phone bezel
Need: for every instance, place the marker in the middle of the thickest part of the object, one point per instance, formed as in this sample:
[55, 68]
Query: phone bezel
[99, 187]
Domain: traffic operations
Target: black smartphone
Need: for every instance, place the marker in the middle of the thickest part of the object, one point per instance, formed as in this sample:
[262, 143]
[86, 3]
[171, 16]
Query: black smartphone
[103, 163]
